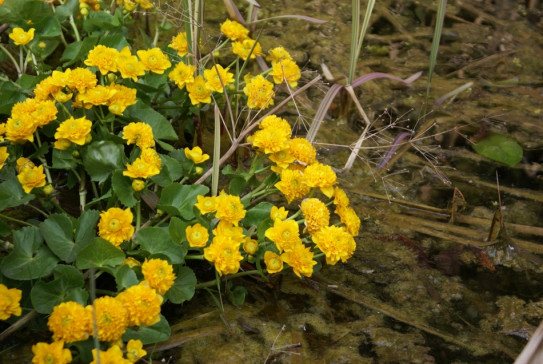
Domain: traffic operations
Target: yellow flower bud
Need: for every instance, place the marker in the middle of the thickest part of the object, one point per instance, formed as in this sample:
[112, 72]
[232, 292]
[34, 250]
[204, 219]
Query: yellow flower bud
[199, 170]
[138, 185]
[42, 45]
[48, 189]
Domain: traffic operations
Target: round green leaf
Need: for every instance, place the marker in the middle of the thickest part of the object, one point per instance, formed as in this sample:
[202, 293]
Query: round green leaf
[99, 253]
[500, 148]
[101, 158]
[183, 287]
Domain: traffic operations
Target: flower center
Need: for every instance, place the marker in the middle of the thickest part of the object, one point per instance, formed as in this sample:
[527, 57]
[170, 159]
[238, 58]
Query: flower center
[114, 225]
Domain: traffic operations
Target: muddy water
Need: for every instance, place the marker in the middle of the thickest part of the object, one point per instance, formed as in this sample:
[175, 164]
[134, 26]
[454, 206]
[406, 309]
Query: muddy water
[423, 286]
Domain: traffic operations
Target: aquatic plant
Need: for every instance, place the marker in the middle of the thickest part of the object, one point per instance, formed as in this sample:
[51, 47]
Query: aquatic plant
[104, 195]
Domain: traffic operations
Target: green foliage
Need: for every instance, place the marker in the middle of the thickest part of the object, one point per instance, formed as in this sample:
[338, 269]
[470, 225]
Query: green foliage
[500, 148]
[179, 200]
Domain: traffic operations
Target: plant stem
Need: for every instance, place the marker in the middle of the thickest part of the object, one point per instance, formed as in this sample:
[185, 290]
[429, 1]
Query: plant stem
[235, 275]
[15, 63]
[195, 257]
[8, 218]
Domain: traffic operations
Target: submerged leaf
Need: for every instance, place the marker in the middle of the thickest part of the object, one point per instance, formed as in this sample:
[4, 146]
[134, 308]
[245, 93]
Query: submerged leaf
[500, 148]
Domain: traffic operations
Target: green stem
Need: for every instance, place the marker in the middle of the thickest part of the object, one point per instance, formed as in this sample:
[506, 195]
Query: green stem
[235, 275]
[195, 257]
[20, 68]
[138, 215]
[12, 219]
[15, 63]
[43, 161]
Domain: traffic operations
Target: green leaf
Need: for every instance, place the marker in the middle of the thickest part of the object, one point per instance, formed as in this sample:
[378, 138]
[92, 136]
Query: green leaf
[237, 185]
[257, 214]
[57, 231]
[162, 129]
[170, 171]
[125, 277]
[101, 158]
[63, 159]
[117, 41]
[10, 94]
[184, 286]
[122, 186]
[78, 51]
[86, 229]
[70, 7]
[99, 253]
[177, 229]
[149, 334]
[237, 295]
[30, 258]
[67, 285]
[156, 241]
[500, 148]
[48, 28]
[179, 200]
[12, 194]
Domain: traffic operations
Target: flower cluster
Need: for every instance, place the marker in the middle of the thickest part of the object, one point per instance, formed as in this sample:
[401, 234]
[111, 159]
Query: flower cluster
[9, 302]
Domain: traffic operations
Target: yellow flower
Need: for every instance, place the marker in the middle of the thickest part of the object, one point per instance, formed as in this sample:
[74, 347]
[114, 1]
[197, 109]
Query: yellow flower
[147, 165]
[154, 60]
[229, 208]
[146, 4]
[259, 92]
[179, 43]
[3, 154]
[70, 322]
[234, 30]
[81, 79]
[351, 220]
[20, 129]
[45, 353]
[282, 158]
[121, 98]
[195, 155]
[140, 134]
[9, 302]
[105, 58]
[111, 318]
[247, 48]
[20, 37]
[158, 274]
[128, 65]
[217, 78]
[41, 111]
[274, 263]
[278, 54]
[197, 235]
[335, 243]
[270, 140]
[143, 304]
[44, 112]
[226, 228]
[286, 70]
[303, 150]
[278, 213]
[224, 253]
[61, 79]
[292, 185]
[198, 92]
[134, 350]
[320, 175]
[340, 198]
[45, 88]
[30, 178]
[300, 259]
[285, 234]
[62, 144]
[317, 215]
[250, 246]
[206, 204]
[182, 74]
[113, 355]
[98, 95]
[115, 225]
[75, 130]
[24, 163]
[275, 122]
[131, 262]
